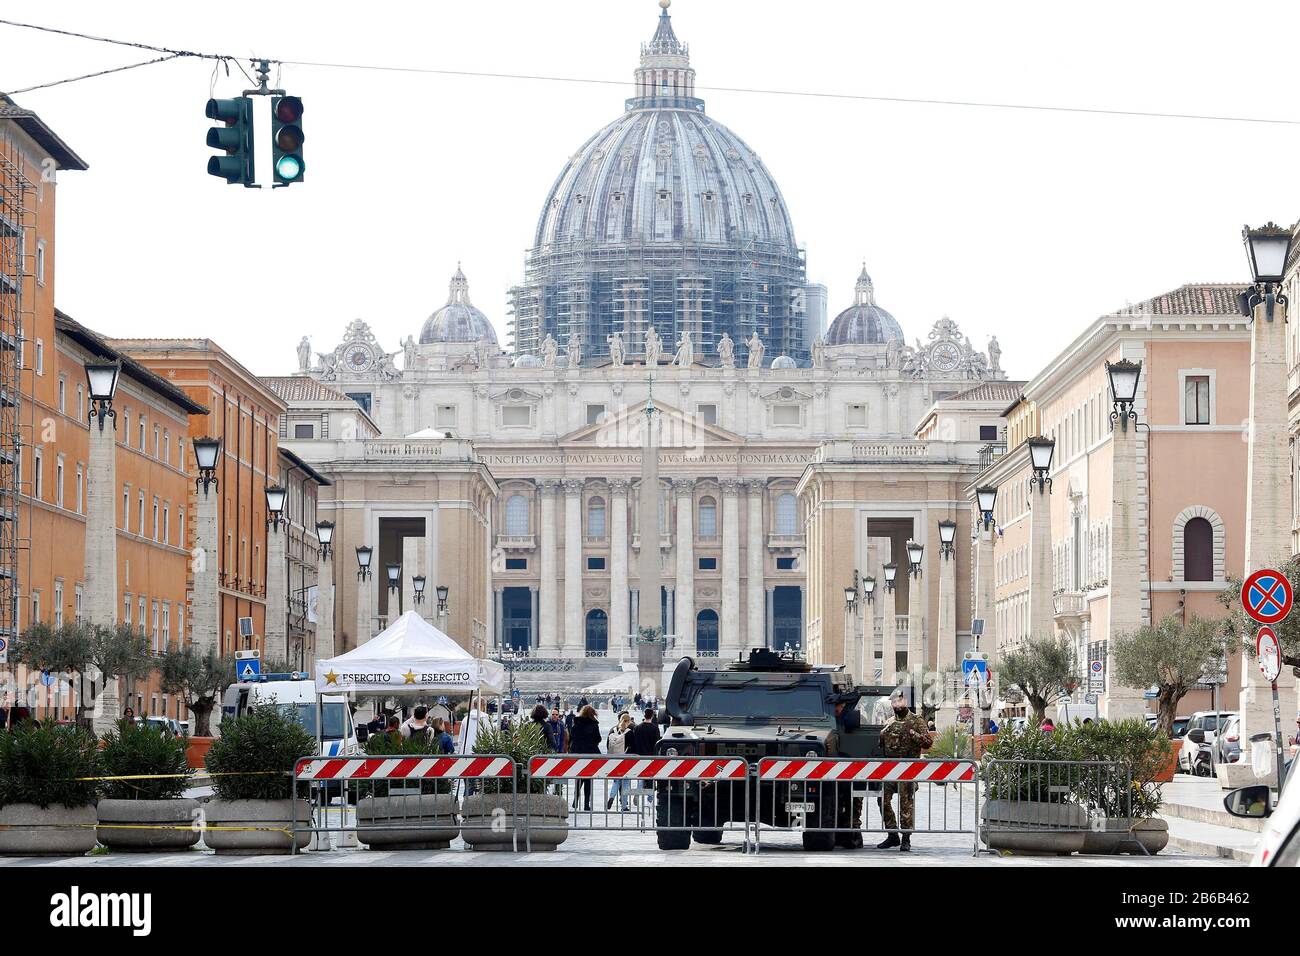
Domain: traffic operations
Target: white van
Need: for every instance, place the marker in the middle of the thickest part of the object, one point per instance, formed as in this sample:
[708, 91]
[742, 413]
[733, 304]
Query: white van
[296, 694]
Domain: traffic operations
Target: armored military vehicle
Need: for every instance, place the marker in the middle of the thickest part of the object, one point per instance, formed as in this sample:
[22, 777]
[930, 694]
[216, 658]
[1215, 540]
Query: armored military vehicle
[768, 705]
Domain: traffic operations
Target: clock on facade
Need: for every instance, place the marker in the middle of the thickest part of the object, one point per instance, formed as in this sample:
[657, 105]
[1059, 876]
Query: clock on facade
[945, 356]
[358, 357]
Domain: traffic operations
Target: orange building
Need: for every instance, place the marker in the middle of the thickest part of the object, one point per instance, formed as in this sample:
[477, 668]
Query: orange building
[245, 415]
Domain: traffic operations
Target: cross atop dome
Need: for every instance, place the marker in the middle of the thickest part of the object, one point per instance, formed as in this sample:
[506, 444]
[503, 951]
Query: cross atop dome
[665, 40]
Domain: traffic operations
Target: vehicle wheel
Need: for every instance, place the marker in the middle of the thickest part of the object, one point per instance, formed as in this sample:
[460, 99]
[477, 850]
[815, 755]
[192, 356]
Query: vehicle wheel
[1203, 769]
[818, 842]
[670, 813]
[709, 837]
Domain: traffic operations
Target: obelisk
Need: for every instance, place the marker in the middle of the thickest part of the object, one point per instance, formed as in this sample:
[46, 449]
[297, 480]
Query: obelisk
[649, 637]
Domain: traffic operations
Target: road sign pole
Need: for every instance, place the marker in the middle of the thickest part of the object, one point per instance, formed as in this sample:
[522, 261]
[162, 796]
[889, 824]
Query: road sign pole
[1277, 727]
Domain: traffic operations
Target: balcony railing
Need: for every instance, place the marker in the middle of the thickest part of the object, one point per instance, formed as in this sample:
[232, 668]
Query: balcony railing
[785, 541]
[991, 453]
[516, 542]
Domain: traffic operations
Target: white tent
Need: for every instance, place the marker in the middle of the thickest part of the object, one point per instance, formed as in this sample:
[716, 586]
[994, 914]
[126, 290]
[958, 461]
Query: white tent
[410, 656]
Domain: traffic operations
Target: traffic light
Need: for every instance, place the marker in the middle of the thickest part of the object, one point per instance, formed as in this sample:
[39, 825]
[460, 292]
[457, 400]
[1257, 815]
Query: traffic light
[236, 138]
[286, 140]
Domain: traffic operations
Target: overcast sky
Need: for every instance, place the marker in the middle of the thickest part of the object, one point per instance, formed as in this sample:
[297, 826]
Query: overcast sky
[1023, 224]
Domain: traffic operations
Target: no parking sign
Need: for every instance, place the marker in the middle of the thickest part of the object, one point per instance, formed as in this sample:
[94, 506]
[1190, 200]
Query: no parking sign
[1266, 596]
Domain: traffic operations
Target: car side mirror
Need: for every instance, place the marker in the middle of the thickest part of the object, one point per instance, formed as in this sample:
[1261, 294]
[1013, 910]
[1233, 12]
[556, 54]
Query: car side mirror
[1249, 802]
[1196, 736]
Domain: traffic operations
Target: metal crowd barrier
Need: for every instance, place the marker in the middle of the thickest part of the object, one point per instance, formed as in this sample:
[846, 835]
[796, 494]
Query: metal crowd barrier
[1066, 797]
[397, 802]
[828, 798]
[680, 798]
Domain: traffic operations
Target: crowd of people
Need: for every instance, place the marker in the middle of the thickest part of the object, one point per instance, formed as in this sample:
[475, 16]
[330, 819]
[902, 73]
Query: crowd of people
[579, 733]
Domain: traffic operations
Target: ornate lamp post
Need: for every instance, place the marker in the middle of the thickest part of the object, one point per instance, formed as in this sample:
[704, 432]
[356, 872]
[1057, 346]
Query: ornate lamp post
[206, 452]
[364, 555]
[891, 572]
[947, 535]
[394, 572]
[325, 535]
[986, 499]
[869, 589]
[1267, 249]
[1124, 376]
[915, 555]
[275, 495]
[1041, 451]
[101, 379]
[419, 582]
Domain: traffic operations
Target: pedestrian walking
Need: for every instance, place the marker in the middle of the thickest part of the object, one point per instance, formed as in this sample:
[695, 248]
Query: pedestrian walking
[616, 744]
[446, 743]
[417, 725]
[557, 735]
[645, 737]
[904, 735]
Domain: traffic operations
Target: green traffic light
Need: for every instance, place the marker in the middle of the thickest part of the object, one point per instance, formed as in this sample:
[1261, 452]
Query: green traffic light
[288, 168]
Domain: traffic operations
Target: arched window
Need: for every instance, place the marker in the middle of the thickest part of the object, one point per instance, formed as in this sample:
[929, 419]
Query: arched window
[517, 515]
[597, 633]
[706, 633]
[785, 514]
[1198, 550]
[596, 518]
[708, 518]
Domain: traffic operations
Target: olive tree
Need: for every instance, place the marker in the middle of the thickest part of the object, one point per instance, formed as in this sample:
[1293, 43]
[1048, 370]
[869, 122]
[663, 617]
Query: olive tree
[93, 652]
[198, 678]
[1173, 655]
[1042, 669]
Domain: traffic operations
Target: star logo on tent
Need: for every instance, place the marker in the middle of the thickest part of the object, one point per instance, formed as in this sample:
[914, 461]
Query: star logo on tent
[331, 677]
[410, 677]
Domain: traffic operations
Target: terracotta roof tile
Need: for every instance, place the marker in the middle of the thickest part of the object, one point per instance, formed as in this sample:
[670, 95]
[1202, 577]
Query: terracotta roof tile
[301, 388]
[1195, 298]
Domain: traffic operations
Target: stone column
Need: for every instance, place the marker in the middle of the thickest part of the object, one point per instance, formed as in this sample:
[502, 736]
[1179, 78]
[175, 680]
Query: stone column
[275, 637]
[205, 560]
[769, 636]
[533, 621]
[889, 636]
[1268, 510]
[100, 597]
[729, 624]
[498, 619]
[1127, 569]
[915, 627]
[619, 628]
[946, 633]
[324, 612]
[365, 609]
[985, 605]
[684, 601]
[755, 550]
[1042, 613]
[573, 640]
[867, 673]
[548, 571]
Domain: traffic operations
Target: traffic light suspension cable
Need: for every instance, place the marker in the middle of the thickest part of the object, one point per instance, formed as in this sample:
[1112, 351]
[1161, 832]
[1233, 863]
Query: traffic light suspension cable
[813, 94]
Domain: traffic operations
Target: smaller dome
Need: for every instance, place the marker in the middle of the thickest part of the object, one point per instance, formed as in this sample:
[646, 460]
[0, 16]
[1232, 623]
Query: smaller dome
[528, 361]
[458, 320]
[784, 361]
[864, 322]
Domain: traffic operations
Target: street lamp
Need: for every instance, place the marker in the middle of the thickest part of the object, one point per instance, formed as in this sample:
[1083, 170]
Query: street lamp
[275, 495]
[394, 572]
[891, 572]
[325, 534]
[101, 378]
[443, 591]
[947, 535]
[915, 553]
[1267, 250]
[1124, 376]
[364, 554]
[869, 589]
[850, 598]
[986, 498]
[1040, 457]
[206, 452]
[419, 581]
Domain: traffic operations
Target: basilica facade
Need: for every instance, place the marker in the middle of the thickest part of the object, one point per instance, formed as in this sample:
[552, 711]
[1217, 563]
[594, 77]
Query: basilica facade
[787, 459]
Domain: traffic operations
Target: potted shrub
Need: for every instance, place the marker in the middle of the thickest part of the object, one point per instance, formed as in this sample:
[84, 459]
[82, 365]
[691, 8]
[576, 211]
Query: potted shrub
[199, 679]
[493, 816]
[138, 749]
[47, 807]
[1029, 807]
[251, 765]
[1125, 811]
[387, 810]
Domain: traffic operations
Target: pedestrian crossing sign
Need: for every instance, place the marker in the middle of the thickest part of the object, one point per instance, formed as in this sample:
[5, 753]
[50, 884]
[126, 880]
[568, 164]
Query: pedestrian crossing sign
[248, 665]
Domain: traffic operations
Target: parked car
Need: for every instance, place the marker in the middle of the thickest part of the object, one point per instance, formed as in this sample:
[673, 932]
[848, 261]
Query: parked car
[1279, 843]
[1179, 729]
[164, 725]
[1227, 744]
[1197, 755]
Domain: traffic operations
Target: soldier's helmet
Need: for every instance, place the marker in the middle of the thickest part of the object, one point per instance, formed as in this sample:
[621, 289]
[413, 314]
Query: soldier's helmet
[899, 694]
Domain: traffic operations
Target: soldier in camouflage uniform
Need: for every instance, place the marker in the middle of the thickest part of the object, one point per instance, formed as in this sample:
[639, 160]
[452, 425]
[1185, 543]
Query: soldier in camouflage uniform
[904, 735]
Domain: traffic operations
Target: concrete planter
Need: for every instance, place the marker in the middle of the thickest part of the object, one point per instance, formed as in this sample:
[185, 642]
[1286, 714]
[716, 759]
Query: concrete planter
[1115, 838]
[1033, 827]
[272, 818]
[178, 813]
[46, 831]
[434, 814]
[491, 821]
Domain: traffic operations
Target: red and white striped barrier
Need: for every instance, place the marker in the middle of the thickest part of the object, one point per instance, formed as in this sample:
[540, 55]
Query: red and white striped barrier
[638, 768]
[932, 771]
[402, 768]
